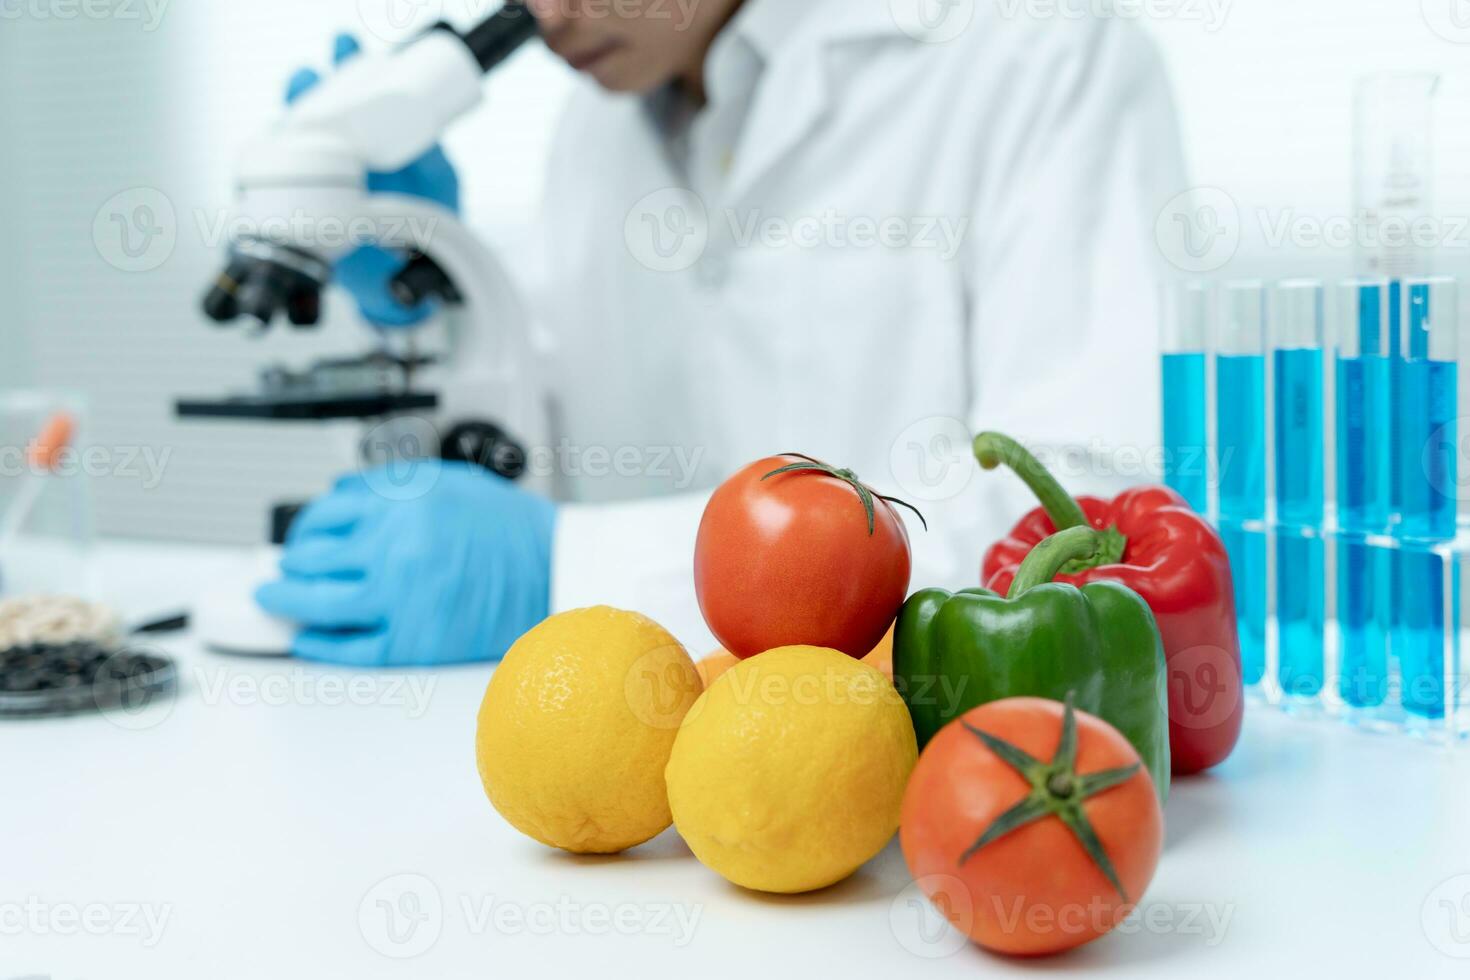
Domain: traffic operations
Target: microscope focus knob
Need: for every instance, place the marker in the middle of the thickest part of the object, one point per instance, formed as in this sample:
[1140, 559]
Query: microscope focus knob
[485, 445]
[422, 278]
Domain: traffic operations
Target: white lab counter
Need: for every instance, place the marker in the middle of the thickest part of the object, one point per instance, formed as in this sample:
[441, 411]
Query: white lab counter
[288, 820]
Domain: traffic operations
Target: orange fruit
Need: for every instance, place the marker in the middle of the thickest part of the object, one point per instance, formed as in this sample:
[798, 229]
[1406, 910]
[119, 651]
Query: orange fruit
[712, 667]
[882, 656]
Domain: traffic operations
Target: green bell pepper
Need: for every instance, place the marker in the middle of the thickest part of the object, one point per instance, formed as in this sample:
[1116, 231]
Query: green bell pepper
[956, 651]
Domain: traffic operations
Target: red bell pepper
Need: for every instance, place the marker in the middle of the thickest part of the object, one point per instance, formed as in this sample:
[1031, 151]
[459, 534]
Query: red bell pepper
[1156, 546]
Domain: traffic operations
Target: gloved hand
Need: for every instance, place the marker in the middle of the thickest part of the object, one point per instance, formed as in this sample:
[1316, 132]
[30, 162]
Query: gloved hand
[450, 565]
[367, 272]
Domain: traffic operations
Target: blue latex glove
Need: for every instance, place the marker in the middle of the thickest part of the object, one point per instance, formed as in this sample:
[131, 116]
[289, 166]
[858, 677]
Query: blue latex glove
[415, 564]
[367, 272]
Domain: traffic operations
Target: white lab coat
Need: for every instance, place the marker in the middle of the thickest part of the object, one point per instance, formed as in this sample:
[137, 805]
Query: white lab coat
[1050, 146]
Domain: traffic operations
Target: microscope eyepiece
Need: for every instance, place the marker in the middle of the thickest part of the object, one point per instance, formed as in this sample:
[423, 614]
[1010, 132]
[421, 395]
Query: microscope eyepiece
[500, 35]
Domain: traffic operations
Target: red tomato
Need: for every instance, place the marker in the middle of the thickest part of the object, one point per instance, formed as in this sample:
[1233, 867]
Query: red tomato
[1036, 889]
[790, 560]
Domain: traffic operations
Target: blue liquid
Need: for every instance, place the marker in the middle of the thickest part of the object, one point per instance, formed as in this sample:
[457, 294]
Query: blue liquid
[1240, 392]
[1428, 393]
[1364, 588]
[1395, 442]
[1363, 388]
[1247, 551]
[1241, 396]
[1300, 599]
[1185, 443]
[1364, 574]
[1395, 357]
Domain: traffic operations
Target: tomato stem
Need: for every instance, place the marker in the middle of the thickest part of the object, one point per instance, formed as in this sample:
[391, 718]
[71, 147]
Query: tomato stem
[865, 493]
[1056, 791]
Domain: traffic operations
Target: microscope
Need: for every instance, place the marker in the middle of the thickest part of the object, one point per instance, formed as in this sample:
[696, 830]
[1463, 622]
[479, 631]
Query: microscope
[302, 204]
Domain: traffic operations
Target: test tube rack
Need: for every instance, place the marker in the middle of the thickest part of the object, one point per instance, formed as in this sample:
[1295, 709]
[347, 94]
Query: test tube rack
[1318, 426]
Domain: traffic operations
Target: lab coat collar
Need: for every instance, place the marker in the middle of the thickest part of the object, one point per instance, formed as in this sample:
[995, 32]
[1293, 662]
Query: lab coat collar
[770, 26]
[795, 97]
[766, 25]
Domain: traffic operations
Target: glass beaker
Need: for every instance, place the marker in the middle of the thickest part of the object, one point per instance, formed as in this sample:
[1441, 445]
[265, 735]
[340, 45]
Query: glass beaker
[1393, 167]
[46, 513]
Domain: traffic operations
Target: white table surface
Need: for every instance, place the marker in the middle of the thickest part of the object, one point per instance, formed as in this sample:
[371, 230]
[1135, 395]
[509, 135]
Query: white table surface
[265, 823]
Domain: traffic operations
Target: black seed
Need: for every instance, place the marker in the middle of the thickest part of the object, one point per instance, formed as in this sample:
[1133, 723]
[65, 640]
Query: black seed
[23, 681]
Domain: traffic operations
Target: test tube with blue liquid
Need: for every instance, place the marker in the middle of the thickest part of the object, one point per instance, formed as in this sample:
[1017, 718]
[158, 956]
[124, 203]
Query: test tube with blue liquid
[1240, 461]
[1364, 343]
[1427, 474]
[1186, 328]
[1297, 329]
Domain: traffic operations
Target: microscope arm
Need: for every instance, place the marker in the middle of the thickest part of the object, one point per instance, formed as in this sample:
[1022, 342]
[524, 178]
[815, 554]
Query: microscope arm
[494, 366]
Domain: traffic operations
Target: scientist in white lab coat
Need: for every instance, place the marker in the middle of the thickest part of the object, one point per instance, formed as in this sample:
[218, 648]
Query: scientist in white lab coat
[857, 229]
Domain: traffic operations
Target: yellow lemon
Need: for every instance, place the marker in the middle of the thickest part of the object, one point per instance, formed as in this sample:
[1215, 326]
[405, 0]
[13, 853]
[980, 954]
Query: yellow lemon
[577, 725]
[788, 774]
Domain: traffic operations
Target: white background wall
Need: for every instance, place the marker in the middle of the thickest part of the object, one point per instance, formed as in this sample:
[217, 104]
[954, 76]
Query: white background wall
[90, 108]
[1266, 99]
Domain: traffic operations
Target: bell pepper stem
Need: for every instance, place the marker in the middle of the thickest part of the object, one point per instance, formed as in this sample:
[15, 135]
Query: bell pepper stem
[994, 450]
[1049, 557]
